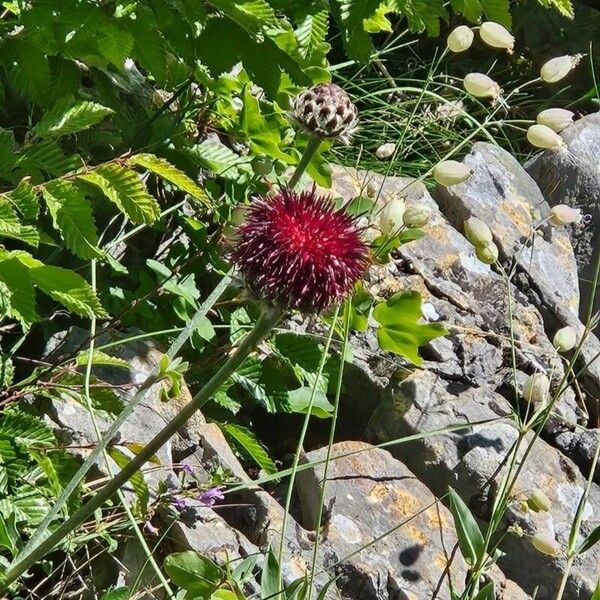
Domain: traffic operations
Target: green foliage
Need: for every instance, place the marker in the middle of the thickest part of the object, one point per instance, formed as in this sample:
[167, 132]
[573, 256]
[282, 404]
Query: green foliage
[245, 440]
[399, 328]
[470, 539]
[197, 575]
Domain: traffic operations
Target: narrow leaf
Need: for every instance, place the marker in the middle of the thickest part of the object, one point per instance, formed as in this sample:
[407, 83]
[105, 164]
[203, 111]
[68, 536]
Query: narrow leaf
[469, 535]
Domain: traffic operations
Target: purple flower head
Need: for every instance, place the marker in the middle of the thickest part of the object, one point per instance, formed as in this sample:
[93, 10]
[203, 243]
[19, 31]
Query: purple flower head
[180, 502]
[187, 469]
[209, 497]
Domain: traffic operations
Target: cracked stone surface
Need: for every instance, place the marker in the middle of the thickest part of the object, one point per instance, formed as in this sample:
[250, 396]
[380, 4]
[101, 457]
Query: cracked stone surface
[472, 460]
[408, 536]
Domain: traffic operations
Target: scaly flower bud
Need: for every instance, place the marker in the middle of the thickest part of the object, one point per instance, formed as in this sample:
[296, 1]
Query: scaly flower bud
[390, 218]
[481, 86]
[536, 388]
[556, 118]
[460, 39]
[297, 249]
[451, 172]
[545, 544]
[487, 254]
[557, 68]
[565, 339]
[561, 214]
[497, 36]
[477, 232]
[416, 216]
[541, 136]
[385, 151]
[325, 110]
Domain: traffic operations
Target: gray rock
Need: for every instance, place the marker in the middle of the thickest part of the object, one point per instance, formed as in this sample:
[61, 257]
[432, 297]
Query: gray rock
[387, 536]
[571, 176]
[472, 460]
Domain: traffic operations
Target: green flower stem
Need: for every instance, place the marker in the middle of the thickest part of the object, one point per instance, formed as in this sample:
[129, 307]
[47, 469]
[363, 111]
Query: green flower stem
[313, 145]
[270, 316]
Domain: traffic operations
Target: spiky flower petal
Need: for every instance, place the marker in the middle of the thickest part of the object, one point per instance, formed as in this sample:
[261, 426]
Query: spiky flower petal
[325, 110]
[299, 250]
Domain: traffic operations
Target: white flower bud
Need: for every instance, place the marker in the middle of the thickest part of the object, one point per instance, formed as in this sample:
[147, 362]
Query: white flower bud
[565, 339]
[541, 136]
[556, 118]
[390, 218]
[481, 86]
[545, 544]
[487, 254]
[539, 501]
[561, 214]
[477, 232]
[460, 39]
[557, 68]
[497, 36]
[451, 172]
[536, 388]
[416, 216]
[385, 151]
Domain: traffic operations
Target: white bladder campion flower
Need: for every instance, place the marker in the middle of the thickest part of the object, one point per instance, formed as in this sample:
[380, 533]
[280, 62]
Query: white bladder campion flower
[481, 85]
[487, 254]
[497, 36]
[536, 388]
[451, 172]
[416, 216]
[545, 544]
[460, 39]
[555, 118]
[541, 136]
[477, 232]
[562, 214]
[558, 68]
[565, 339]
[385, 151]
[391, 216]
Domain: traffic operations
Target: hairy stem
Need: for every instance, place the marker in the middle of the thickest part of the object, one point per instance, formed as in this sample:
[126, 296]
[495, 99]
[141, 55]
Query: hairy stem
[313, 145]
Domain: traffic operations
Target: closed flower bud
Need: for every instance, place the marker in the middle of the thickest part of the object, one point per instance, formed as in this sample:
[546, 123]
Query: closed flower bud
[556, 118]
[262, 165]
[390, 218]
[536, 388]
[516, 530]
[477, 232]
[451, 172]
[545, 544]
[481, 86]
[416, 216]
[497, 36]
[565, 339]
[460, 39]
[541, 136]
[561, 214]
[539, 501]
[487, 254]
[557, 68]
[385, 151]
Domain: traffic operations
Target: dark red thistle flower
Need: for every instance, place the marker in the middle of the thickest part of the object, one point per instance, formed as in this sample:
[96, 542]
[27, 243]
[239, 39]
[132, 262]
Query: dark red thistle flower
[299, 250]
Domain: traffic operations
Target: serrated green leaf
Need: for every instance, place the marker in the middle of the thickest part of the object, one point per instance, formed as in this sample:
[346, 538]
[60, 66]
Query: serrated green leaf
[165, 170]
[9, 536]
[25, 200]
[137, 481]
[68, 288]
[21, 303]
[11, 227]
[24, 429]
[72, 216]
[67, 118]
[7, 370]
[101, 358]
[125, 188]
[220, 159]
[469, 535]
[30, 505]
[312, 35]
[399, 329]
[249, 444]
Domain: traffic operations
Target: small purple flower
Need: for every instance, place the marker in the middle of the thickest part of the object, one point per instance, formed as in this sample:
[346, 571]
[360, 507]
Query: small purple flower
[180, 502]
[187, 469]
[209, 497]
